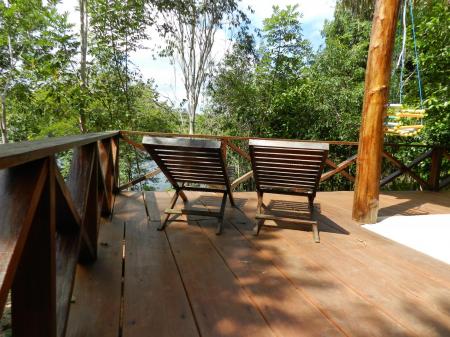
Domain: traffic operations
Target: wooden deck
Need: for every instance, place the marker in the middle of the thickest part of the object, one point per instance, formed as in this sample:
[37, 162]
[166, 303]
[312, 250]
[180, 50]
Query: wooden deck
[187, 281]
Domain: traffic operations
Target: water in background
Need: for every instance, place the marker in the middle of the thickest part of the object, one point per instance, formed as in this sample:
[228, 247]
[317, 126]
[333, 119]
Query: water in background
[159, 182]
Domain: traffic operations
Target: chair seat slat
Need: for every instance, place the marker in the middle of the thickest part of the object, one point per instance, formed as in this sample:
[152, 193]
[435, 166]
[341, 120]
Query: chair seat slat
[188, 154]
[287, 151]
[191, 159]
[288, 164]
[286, 183]
[200, 166]
[287, 167]
[307, 157]
[200, 181]
[311, 180]
[298, 160]
[197, 176]
[288, 170]
[196, 170]
[294, 175]
[290, 144]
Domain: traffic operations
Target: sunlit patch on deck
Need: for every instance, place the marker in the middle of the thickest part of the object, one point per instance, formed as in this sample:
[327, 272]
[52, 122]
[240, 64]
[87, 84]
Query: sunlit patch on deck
[428, 234]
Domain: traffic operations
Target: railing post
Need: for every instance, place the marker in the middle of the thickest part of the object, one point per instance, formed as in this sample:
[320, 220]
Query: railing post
[115, 160]
[83, 186]
[106, 174]
[34, 288]
[436, 162]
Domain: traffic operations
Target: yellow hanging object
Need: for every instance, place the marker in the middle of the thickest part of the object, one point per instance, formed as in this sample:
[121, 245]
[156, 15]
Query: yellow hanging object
[403, 122]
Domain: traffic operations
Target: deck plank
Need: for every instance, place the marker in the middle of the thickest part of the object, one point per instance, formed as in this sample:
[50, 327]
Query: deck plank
[337, 207]
[391, 288]
[221, 306]
[95, 311]
[187, 281]
[289, 311]
[334, 299]
[154, 297]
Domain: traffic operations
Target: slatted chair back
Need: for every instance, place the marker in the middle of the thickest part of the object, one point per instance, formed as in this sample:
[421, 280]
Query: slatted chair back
[188, 160]
[287, 166]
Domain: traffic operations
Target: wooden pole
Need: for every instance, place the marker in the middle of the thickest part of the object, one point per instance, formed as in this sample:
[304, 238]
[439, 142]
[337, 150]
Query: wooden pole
[378, 71]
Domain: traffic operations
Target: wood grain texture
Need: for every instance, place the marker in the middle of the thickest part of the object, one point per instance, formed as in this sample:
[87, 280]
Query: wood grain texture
[96, 300]
[82, 185]
[286, 309]
[192, 282]
[154, 297]
[34, 287]
[405, 168]
[399, 291]
[378, 72]
[435, 170]
[339, 169]
[220, 305]
[20, 192]
[14, 154]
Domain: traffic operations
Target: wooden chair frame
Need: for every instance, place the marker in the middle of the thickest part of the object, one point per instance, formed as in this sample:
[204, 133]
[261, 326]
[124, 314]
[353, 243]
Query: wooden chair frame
[190, 160]
[287, 167]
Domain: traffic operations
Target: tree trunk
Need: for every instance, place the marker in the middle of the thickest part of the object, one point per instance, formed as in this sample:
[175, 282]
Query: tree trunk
[3, 128]
[83, 72]
[378, 71]
[192, 124]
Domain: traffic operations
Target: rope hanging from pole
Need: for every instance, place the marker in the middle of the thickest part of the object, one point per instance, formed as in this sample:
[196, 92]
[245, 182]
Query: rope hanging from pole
[416, 55]
[401, 121]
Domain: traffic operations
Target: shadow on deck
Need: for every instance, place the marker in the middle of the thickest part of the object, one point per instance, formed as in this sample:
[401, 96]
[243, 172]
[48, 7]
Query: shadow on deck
[186, 281]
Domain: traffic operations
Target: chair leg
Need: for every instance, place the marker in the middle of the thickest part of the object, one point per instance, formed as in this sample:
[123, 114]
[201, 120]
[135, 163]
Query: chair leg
[183, 196]
[172, 204]
[222, 212]
[230, 195]
[311, 205]
[259, 223]
[314, 226]
[316, 233]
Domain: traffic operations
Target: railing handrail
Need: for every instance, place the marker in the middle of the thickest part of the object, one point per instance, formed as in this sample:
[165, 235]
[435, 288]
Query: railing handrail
[48, 223]
[437, 153]
[14, 154]
[168, 134]
[224, 137]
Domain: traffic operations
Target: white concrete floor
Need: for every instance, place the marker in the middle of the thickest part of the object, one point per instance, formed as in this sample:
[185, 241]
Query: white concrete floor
[429, 234]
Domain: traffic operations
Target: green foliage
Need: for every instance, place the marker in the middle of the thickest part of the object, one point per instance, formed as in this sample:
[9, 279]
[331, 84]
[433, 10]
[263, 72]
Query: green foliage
[40, 78]
[36, 49]
[433, 46]
[271, 84]
[433, 43]
[283, 90]
[271, 92]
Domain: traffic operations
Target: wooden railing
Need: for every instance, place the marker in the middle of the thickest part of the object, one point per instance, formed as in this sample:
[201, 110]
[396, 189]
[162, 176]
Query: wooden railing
[392, 169]
[48, 223]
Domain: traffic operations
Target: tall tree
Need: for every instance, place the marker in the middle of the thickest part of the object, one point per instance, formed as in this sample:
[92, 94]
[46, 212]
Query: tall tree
[116, 30]
[84, 28]
[190, 30]
[35, 45]
[362, 9]
[285, 53]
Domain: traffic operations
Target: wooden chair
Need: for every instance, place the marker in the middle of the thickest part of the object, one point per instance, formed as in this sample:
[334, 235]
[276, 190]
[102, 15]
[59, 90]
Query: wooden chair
[187, 161]
[287, 167]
